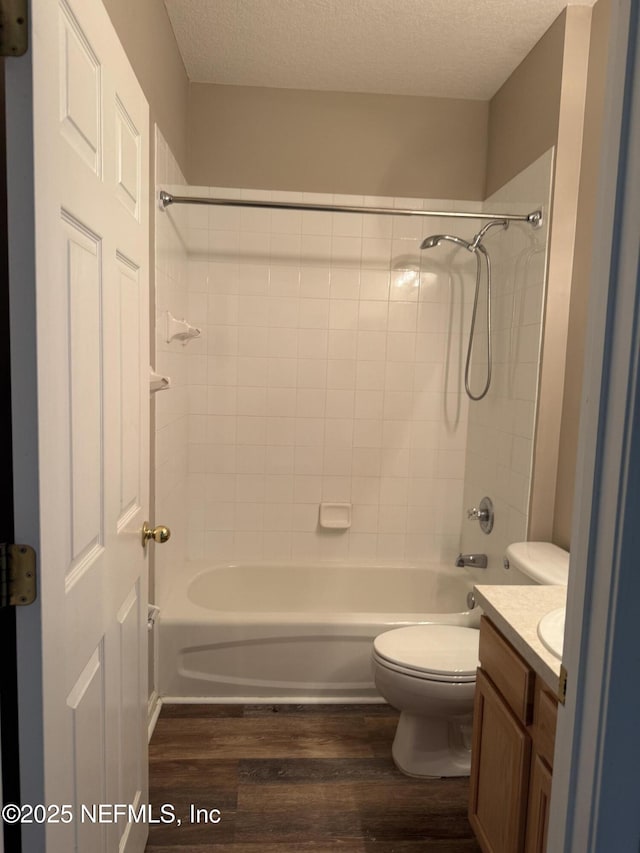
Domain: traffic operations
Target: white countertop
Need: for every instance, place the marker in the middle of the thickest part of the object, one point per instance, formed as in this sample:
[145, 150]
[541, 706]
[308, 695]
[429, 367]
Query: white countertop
[516, 611]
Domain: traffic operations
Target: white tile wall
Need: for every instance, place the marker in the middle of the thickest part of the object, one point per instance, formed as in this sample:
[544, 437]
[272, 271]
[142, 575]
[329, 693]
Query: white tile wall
[501, 427]
[171, 406]
[329, 369]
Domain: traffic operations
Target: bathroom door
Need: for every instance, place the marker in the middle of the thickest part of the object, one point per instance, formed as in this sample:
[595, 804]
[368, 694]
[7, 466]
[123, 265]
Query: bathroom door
[79, 242]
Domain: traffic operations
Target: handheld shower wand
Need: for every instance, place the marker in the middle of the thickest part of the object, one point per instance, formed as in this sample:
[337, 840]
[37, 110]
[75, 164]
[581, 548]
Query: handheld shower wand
[476, 247]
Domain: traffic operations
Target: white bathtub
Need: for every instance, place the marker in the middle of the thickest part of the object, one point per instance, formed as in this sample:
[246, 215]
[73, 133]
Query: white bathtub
[262, 632]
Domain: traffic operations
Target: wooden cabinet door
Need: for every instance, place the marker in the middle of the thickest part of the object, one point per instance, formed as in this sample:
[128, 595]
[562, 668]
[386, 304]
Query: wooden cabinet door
[500, 762]
[539, 797]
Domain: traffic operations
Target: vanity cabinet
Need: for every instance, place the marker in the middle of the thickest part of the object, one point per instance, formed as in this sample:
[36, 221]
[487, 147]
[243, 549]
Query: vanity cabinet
[512, 750]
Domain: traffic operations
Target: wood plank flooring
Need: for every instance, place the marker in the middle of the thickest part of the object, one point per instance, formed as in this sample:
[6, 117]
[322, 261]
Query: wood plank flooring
[299, 778]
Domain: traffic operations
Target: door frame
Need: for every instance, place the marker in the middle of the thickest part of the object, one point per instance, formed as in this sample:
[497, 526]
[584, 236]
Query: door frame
[9, 728]
[22, 316]
[594, 801]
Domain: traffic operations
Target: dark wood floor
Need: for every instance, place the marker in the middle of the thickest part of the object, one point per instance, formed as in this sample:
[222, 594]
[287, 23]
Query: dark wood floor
[299, 778]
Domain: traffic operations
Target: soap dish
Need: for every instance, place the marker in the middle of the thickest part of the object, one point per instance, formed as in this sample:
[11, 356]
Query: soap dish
[335, 516]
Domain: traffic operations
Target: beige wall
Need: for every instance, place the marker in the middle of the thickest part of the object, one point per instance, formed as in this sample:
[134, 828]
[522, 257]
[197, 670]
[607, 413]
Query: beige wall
[336, 142]
[581, 271]
[541, 105]
[564, 212]
[145, 32]
[524, 112]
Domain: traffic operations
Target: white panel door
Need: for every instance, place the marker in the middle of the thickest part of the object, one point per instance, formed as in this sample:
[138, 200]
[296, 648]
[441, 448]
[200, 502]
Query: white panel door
[84, 655]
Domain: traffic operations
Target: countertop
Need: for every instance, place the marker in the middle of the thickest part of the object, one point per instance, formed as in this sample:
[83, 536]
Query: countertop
[516, 611]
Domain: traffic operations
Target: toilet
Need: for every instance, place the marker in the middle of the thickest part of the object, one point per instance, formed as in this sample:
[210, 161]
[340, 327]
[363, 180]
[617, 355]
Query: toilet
[428, 672]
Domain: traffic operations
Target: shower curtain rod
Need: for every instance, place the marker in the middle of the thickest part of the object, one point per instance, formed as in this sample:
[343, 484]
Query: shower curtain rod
[167, 199]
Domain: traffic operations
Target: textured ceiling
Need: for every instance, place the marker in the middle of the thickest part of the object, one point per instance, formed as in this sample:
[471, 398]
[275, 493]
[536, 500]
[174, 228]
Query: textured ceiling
[443, 48]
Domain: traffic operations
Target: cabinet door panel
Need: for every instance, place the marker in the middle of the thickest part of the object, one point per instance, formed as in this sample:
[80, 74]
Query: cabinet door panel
[539, 797]
[545, 717]
[510, 674]
[500, 762]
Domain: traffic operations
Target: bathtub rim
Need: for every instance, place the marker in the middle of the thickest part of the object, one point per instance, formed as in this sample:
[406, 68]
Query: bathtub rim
[180, 606]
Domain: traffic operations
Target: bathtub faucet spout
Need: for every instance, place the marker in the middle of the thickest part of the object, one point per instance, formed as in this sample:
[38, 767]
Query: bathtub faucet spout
[475, 561]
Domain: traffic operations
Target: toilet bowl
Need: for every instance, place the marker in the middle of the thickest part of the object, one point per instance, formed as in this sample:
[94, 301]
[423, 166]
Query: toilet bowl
[428, 672]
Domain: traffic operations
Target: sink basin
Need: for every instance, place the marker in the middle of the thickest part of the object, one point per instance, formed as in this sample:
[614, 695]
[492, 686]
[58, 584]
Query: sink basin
[551, 631]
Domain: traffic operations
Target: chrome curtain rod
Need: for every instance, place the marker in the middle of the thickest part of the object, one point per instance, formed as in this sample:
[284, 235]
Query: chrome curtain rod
[166, 199]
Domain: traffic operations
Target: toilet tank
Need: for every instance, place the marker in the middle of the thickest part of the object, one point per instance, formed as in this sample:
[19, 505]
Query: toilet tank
[540, 562]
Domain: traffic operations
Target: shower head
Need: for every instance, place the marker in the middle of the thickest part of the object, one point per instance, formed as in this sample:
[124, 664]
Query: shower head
[436, 239]
[430, 242]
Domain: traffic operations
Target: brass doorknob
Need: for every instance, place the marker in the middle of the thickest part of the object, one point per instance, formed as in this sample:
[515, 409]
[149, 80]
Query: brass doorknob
[159, 534]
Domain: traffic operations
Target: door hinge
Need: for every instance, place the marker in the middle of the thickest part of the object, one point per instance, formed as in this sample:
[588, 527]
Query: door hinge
[17, 575]
[14, 32]
[562, 684]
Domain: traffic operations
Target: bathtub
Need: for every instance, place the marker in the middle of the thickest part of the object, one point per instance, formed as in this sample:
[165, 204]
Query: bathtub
[293, 633]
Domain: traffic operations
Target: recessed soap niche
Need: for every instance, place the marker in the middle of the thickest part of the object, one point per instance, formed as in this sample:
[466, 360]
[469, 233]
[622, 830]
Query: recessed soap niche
[335, 516]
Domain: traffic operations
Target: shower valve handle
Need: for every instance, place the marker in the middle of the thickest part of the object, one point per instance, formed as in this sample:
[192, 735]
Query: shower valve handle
[477, 514]
[483, 514]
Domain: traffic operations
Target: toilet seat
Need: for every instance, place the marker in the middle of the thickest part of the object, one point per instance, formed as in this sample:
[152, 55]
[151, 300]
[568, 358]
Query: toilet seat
[432, 652]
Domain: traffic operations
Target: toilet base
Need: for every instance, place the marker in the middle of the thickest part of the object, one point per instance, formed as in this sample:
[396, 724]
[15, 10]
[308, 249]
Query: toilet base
[432, 746]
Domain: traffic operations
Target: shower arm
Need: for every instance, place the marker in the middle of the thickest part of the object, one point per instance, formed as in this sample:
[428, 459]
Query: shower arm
[475, 243]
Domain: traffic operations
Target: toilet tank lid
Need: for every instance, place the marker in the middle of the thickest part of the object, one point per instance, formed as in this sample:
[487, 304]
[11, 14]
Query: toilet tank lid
[543, 562]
